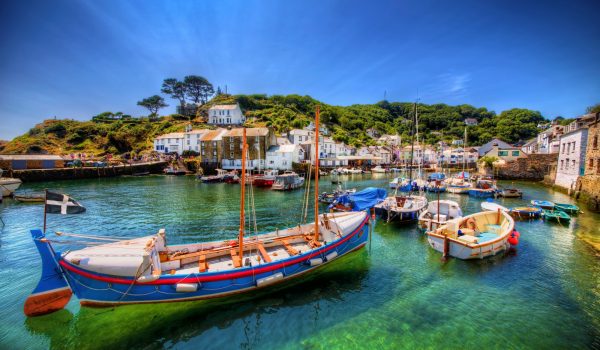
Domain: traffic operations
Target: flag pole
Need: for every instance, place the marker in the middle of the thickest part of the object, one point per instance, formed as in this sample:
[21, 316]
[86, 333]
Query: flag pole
[45, 201]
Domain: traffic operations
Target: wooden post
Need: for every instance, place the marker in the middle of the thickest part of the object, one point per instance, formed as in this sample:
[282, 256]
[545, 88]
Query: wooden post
[317, 174]
[242, 199]
[45, 200]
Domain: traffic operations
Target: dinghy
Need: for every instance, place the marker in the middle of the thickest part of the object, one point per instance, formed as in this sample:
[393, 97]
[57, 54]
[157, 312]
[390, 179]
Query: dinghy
[30, 198]
[491, 206]
[555, 215]
[567, 208]
[542, 204]
[8, 185]
[475, 236]
[401, 208]
[523, 213]
[149, 270]
[438, 213]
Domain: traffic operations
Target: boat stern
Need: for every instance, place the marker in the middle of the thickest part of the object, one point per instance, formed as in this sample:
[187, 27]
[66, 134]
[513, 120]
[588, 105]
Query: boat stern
[52, 292]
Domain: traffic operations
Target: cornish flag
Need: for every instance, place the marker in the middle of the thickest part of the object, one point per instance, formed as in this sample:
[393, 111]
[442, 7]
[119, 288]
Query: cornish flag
[57, 203]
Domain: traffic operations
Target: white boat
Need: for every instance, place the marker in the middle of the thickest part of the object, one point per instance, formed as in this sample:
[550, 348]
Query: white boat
[378, 169]
[401, 208]
[474, 236]
[396, 182]
[288, 181]
[491, 206]
[8, 185]
[459, 189]
[438, 213]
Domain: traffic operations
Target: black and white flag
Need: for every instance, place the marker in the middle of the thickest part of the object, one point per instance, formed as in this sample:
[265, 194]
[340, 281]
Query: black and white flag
[57, 203]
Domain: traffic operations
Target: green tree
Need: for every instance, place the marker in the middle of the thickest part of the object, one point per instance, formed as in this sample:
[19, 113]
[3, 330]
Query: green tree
[198, 89]
[153, 104]
[175, 89]
[593, 109]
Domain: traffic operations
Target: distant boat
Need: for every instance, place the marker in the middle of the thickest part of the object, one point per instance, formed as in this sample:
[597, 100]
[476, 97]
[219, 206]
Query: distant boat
[401, 208]
[542, 204]
[287, 181]
[474, 236]
[330, 197]
[431, 218]
[265, 180]
[214, 178]
[555, 215]
[173, 171]
[526, 212]
[509, 192]
[491, 206]
[481, 193]
[378, 170]
[567, 208]
[8, 185]
[30, 198]
[362, 200]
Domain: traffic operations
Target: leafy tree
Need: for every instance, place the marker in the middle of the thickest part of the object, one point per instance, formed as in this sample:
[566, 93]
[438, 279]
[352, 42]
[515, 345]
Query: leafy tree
[198, 89]
[153, 104]
[176, 89]
[593, 109]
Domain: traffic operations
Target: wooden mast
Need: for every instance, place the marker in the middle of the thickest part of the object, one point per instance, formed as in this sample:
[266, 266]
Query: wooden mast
[242, 198]
[317, 174]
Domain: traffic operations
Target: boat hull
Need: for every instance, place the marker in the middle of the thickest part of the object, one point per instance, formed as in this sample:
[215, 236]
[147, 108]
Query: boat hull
[95, 289]
[464, 252]
[9, 185]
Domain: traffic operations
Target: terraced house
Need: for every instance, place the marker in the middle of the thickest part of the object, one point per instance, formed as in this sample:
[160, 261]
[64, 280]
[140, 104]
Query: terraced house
[259, 140]
[211, 146]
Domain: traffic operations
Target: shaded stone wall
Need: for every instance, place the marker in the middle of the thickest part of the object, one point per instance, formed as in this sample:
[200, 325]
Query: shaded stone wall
[588, 191]
[31, 175]
[534, 167]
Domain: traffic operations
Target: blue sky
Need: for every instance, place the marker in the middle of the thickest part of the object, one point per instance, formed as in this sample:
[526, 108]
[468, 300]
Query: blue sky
[75, 59]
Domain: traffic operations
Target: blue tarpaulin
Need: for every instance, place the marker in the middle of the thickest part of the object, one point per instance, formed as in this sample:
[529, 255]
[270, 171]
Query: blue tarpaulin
[364, 199]
[436, 176]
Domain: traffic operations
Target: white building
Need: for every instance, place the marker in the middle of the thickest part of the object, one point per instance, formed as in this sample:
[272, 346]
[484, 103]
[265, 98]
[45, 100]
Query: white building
[571, 157]
[390, 140]
[191, 141]
[169, 143]
[226, 115]
[281, 157]
[299, 136]
[548, 141]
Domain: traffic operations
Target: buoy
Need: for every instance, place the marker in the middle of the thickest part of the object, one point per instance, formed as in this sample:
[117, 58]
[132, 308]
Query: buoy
[516, 233]
[513, 240]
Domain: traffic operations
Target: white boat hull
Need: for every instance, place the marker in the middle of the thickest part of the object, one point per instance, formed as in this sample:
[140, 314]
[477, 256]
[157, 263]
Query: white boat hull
[464, 252]
[9, 185]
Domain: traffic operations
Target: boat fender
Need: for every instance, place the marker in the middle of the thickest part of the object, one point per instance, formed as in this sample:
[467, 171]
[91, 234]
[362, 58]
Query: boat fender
[513, 240]
[516, 233]
[315, 262]
[269, 280]
[331, 256]
[186, 287]
[147, 279]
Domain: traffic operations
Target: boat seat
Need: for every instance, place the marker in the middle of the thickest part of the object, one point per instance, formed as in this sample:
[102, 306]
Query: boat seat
[496, 229]
[235, 258]
[263, 253]
[289, 248]
[202, 264]
[468, 239]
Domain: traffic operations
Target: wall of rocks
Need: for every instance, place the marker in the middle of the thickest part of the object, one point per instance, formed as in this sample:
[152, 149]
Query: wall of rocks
[534, 167]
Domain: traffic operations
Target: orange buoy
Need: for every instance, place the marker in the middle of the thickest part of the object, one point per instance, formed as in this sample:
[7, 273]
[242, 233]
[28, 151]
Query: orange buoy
[513, 240]
[516, 233]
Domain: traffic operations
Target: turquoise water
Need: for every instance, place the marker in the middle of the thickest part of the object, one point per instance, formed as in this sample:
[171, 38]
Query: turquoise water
[394, 294]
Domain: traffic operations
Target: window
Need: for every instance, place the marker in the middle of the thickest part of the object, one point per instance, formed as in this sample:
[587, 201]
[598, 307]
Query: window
[214, 143]
[567, 164]
[562, 163]
[231, 155]
[214, 152]
[563, 148]
[573, 163]
[591, 163]
[574, 143]
[502, 153]
[515, 153]
[230, 146]
[595, 143]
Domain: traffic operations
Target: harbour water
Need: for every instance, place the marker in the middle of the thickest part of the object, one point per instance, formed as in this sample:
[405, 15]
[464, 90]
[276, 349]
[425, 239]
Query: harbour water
[394, 294]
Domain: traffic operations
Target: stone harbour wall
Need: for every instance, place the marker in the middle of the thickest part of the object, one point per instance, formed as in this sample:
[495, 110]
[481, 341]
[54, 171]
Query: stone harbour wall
[587, 190]
[534, 167]
[31, 175]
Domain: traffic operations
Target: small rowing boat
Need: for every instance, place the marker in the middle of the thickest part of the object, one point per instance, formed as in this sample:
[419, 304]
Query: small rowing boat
[526, 212]
[401, 208]
[567, 208]
[555, 215]
[32, 198]
[542, 204]
[491, 206]
[474, 236]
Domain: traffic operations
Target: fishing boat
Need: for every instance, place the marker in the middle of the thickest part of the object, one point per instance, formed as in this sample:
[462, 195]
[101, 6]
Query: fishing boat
[528, 212]
[484, 188]
[267, 179]
[567, 208]
[8, 185]
[289, 180]
[474, 236]
[509, 192]
[433, 186]
[542, 204]
[214, 178]
[174, 171]
[148, 270]
[401, 208]
[30, 198]
[555, 215]
[378, 170]
[458, 189]
[365, 199]
[231, 178]
[438, 212]
[330, 197]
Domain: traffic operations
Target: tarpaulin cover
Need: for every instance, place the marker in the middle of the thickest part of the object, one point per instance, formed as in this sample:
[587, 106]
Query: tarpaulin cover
[437, 176]
[364, 199]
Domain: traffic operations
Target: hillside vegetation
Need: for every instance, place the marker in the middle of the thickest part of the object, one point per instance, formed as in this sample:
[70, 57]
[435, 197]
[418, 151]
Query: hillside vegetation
[346, 123]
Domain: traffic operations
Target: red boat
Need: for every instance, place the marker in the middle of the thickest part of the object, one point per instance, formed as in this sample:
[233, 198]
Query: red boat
[264, 180]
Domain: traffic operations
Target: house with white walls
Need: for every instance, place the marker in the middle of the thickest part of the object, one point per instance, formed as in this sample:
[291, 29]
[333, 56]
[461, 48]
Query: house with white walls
[191, 139]
[281, 157]
[226, 115]
[571, 157]
[299, 136]
[169, 143]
